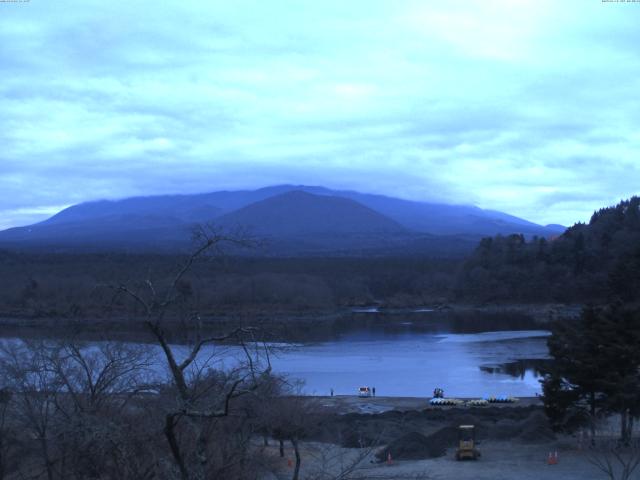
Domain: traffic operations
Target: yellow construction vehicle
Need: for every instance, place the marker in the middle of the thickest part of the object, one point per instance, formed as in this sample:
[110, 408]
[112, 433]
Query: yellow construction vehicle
[467, 443]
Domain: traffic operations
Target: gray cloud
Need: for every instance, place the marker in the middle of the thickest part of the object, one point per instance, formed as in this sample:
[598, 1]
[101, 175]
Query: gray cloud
[531, 109]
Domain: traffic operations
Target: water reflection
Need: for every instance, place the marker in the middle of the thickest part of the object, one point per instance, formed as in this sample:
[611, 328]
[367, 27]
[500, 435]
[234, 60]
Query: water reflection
[519, 368]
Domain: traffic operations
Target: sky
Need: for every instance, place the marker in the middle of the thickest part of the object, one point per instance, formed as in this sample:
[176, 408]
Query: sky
[528, 107]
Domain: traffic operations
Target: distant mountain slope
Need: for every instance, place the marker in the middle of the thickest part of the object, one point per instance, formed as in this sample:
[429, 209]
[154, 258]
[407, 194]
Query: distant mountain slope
[298, 219]
[185, 207]
[440, 218]
[434, 218]
[126, 231]
[294, 222]
[298, 213]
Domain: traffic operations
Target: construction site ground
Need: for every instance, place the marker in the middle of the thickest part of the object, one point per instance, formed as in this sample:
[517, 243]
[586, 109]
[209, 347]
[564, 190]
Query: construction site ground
[515, 441]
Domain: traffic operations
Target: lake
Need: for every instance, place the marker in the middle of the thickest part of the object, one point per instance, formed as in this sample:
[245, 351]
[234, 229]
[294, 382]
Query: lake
[413, 364]
[408, 357]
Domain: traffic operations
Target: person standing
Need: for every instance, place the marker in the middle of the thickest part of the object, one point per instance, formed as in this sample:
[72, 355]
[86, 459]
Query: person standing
[374, 391]
[332, 392]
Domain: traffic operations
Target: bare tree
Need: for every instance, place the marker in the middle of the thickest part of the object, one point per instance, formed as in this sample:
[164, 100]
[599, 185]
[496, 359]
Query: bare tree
[199, 399]
[290, 420]
[74, 401]
[100, 384]
[609, 449]
[7, 434]
[34, 393]
[616, 460]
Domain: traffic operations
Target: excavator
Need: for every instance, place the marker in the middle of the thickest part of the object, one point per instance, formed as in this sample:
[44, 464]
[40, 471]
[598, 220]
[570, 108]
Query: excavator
[467, 443]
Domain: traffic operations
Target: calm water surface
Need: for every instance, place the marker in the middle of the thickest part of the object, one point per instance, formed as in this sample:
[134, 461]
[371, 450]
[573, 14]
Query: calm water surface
[414, 364]
[406, 361]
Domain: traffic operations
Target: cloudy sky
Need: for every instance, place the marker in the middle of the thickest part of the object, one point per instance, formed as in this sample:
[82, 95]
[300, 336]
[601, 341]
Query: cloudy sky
[530, 107]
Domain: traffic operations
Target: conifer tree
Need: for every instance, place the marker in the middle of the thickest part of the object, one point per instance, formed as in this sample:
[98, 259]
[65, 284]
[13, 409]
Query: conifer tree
[595, 368]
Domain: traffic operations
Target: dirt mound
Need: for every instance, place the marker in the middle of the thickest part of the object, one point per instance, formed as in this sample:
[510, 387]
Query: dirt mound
[536, 429]
[523, 424]
[505, 430]
[446, 436]
[415, 446]
[481, 427]
[412, 446]
[358, 438]
[465, 419]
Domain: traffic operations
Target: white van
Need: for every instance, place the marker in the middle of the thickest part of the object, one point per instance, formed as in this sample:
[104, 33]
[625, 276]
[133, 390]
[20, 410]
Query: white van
[364, 392]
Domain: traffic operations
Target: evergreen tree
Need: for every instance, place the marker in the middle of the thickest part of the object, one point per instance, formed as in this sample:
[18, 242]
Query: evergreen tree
[573, 267]
[572, 386]
[595, 368]
[624, 279]
[621, 344]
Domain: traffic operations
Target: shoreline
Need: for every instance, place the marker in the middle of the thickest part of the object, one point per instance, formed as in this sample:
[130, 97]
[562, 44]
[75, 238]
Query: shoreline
[345, 404]
[538, 315]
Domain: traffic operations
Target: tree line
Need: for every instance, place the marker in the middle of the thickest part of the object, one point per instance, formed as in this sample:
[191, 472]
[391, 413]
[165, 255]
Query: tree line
[64, 285]
[588, 263]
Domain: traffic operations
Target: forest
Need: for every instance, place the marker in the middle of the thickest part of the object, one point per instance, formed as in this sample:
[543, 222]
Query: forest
[69, 286]
[588, 263]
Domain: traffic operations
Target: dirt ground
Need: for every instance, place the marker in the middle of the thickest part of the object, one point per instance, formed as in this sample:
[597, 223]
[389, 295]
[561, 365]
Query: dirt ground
[499, 461]
[514, 441]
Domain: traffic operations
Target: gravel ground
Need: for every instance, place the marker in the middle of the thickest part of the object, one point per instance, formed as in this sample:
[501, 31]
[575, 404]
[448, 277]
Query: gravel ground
[499, 461]
[523, 457]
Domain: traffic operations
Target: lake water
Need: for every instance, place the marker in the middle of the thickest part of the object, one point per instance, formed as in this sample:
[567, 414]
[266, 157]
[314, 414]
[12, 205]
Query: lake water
[407, 359]
[413, 364]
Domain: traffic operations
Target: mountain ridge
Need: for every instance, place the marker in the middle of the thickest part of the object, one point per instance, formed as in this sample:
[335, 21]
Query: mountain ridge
[282, 214]
[319, 218]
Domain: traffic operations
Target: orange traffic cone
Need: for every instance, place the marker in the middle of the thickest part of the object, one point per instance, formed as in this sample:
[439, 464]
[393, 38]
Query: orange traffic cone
[552, 459]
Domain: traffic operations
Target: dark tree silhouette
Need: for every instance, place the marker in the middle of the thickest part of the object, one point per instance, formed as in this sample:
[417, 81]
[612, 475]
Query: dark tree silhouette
[595, 368]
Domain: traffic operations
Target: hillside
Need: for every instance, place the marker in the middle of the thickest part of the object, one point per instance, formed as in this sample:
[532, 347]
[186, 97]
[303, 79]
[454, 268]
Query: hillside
[297, 220]
[595, 261]
[297, 213]
[444, 219]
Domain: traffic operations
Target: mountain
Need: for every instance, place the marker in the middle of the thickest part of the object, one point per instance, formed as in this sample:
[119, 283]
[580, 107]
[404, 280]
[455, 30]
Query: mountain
[297, 213]
[294, 219]
[440, 218]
